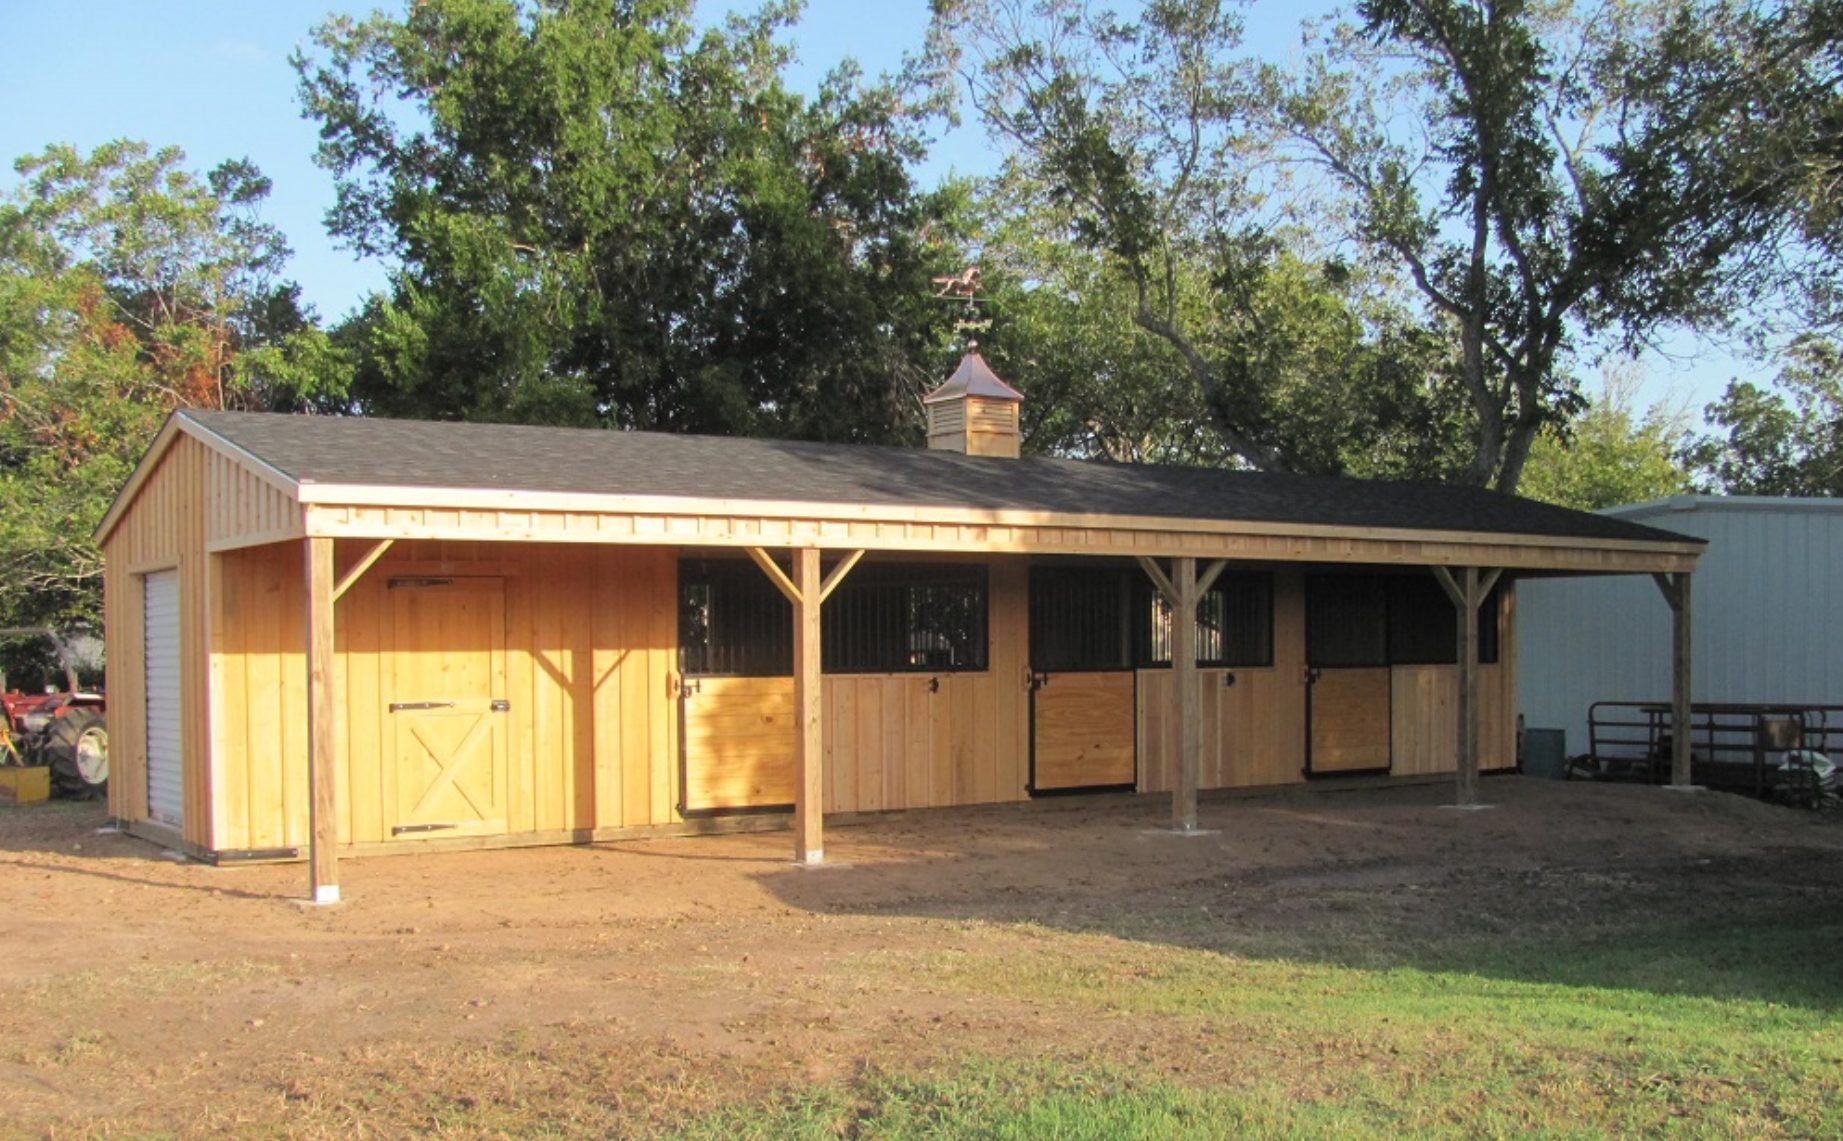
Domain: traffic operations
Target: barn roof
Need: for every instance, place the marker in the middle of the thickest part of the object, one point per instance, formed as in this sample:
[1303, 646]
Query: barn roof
[503, 458]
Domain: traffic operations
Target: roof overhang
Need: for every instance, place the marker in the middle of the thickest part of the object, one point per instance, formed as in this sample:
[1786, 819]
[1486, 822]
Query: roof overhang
[396, 512]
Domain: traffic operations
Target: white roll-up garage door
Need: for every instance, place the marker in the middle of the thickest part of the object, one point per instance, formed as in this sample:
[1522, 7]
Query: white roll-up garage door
[160, 606]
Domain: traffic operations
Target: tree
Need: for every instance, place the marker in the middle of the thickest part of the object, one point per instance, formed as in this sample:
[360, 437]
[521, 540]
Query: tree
[128, 288]
[1128, 168]
[1788, 147]
[1538, 172]
[602, 217]
[1784, 441]
[1611, 453]
[1099, 385]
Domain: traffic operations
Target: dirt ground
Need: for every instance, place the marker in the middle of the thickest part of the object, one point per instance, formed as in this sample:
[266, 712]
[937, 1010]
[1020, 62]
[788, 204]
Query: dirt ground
[139, 993]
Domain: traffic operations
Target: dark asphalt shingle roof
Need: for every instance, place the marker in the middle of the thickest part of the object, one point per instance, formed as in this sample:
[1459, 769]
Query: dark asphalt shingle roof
[412, 453]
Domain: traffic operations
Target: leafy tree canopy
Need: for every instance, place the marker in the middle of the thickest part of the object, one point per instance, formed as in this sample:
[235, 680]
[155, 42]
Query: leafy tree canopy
[1784, 440]
[128, 287]
[1340, 381]
[1611, 454]
[603, 217]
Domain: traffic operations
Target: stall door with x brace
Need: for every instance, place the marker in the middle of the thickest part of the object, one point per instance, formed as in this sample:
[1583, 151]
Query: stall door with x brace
[445, 707]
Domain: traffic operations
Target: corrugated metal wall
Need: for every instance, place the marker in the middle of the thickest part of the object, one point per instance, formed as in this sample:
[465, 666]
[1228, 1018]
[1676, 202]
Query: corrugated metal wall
[1768, 616]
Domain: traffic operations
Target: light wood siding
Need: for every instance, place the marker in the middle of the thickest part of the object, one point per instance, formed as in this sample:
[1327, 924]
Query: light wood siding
[245, 508]
[591, 648]
[1425, 703]
[891, 740]
[1254, 730]
[163, 530]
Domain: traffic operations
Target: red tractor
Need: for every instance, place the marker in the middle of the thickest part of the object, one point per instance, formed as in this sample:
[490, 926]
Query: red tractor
[65, 730]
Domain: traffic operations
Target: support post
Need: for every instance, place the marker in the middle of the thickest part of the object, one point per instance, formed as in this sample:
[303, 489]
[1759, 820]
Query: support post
[1468, 689]
[1677, 593]
[809, 739]
[1468, 592]
[322, 773]
[1184, 677]
[1184, 590]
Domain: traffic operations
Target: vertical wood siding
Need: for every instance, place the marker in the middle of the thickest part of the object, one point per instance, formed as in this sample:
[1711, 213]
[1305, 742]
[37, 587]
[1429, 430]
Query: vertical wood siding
[591, 647]
[165, 529]
[909, 740]
[1254, 731]
[244, 506]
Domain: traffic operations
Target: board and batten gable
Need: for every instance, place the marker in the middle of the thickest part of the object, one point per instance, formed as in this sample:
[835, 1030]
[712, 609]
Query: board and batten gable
[1768, 602]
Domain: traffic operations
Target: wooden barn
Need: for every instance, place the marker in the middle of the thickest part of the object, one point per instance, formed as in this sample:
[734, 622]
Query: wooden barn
[338, 636]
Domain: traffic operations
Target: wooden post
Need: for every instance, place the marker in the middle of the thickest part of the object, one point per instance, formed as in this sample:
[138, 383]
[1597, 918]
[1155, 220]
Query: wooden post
[1184, 677]
[809, 729]
[1676, 589]
[1184, 590]
[322, 714]
[1467, 592]
[1468, 689]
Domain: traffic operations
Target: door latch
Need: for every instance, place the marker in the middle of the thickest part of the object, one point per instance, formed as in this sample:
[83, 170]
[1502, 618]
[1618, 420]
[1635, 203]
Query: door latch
[408, 706]
[501, 705]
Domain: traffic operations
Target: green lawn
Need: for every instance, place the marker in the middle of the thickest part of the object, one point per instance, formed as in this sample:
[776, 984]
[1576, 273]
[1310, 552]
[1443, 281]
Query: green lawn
[1717, 1032]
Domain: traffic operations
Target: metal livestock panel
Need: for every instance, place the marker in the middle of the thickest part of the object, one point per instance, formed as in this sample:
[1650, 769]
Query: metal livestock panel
[160, 660]
[1768, 614]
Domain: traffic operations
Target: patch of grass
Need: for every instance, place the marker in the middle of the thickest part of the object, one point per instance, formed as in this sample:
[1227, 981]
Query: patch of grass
[82, 990]
[999, 1100]
[82, 1046]
[1673, 1039]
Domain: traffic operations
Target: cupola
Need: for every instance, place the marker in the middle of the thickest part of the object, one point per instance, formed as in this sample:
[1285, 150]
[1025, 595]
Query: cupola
[974, 412]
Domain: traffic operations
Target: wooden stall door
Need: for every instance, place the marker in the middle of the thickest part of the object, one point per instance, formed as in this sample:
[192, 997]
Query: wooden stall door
[447, 709]
[1081, 732]
[1348, 720]
[1347, 674]
[737, 744]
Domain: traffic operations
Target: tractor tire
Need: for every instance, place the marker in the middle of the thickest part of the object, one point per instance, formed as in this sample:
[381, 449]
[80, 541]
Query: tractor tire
[77, 749]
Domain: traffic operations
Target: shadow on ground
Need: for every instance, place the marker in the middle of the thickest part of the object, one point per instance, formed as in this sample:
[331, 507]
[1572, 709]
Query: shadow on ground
[1624, 888]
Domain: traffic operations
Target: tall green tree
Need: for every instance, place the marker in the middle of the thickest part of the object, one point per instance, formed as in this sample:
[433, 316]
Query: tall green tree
[1783, 440]
[1786, 71]
[1540, 172]
[1612, 453]
[129, 287]
[1128, 175]
[604, 216]
[1359, 383]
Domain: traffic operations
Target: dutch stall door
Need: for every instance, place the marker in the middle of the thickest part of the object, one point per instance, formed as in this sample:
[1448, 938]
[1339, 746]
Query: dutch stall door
[1347, 675]
[446, 708]
[1081, 732]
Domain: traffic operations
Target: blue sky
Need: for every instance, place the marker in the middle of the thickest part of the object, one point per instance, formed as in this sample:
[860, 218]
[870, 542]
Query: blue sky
[212, 77]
